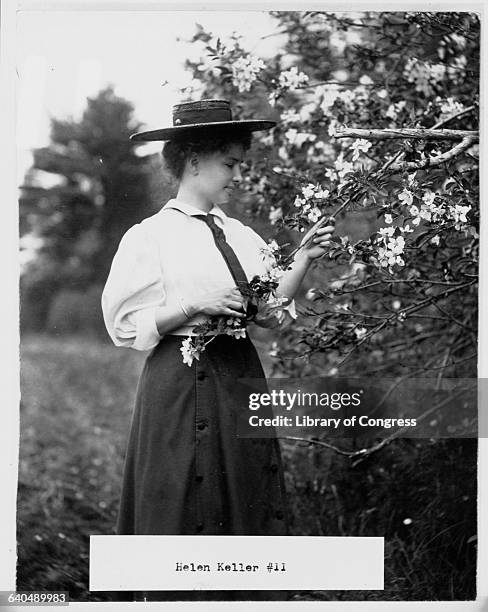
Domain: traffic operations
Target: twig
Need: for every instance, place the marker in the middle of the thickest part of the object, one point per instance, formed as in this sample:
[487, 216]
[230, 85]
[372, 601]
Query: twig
[398, 433]
[314, 228]
[365, 452]
[452, 117]
[390, 161]
[340, 451]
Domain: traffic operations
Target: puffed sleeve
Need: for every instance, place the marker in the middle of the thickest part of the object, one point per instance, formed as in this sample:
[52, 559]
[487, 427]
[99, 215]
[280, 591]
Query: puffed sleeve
[290, 309]
[133, 291]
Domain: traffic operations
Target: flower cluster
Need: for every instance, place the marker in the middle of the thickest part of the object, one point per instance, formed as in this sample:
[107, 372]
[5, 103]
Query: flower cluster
[341, 168]
[260, 298]
[288, 80]
[360, 146]
[245, 70]
[391, 247]
[457, 70]
[424, 74]
[458, 213]
[307, 201]
[289, 116]
[395, 109]
[434, 209]
[292, 79]
[296, 138]
[193, 346]
[449, 107]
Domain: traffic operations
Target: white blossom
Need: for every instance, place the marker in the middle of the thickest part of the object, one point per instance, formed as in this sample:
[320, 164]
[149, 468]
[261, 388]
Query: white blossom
[283, 153]
[450, 107]
[386, 232]
[360, 332]
[390, 248]
[457, 70]
[297, 138]
[314, 214]
[275, 214]
[366, 80]
[358, 146]
[331, 130]
[289, 116]
[458, 214]
[321, 194]
[424, 74]
[342, 167]
[245, 70]
[331, 174]
[428, 197]
[388, 218]
[329, 96]
[406, 197]
[458, 40]
[395, 109]
[236, 332]
[189, 352]
[307, 111]
[308, 191]
[292, 79]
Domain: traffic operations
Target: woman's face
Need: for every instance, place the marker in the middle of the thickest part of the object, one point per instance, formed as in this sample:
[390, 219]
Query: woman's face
[219, 174]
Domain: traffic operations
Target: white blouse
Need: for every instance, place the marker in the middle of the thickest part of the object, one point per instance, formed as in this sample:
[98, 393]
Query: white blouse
[169, 257]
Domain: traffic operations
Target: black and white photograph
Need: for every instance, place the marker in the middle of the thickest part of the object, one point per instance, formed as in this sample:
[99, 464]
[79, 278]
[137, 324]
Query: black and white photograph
[248, 304]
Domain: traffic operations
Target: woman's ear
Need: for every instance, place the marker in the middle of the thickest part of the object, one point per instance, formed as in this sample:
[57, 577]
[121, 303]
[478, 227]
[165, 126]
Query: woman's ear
[193, 164]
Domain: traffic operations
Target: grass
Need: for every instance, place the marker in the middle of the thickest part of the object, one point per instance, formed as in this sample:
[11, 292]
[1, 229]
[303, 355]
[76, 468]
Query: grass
[76, 402]
[77, 397]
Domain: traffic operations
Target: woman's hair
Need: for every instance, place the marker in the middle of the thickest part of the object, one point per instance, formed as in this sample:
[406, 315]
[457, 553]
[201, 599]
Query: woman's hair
[177, 152]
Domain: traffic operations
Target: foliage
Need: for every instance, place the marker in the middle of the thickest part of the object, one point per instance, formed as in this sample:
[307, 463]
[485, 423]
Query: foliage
[99, 188]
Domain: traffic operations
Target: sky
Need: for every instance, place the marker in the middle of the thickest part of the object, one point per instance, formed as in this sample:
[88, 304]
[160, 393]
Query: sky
[63, 57]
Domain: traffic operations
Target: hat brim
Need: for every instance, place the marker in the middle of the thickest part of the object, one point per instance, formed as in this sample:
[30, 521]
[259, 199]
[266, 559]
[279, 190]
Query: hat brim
[248, 125]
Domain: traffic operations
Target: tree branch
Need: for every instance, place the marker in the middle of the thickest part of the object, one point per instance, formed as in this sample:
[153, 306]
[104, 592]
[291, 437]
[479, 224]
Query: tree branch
[415, 133]
[431, 162]
[365, 452]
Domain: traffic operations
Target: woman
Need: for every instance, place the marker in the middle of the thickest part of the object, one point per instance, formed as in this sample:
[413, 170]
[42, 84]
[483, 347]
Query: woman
[186, 472]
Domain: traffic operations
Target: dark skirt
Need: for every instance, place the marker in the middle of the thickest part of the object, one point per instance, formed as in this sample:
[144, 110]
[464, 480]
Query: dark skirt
[186, 472]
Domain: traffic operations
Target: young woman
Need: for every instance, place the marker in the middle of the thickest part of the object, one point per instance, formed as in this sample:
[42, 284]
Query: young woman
[186, 472]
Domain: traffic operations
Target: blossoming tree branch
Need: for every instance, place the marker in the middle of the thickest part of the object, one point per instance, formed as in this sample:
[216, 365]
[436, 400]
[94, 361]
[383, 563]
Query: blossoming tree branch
[377, 127]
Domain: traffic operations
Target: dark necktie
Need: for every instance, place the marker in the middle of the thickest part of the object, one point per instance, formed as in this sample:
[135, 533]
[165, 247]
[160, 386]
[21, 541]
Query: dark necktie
[228, 254]
[230, 258]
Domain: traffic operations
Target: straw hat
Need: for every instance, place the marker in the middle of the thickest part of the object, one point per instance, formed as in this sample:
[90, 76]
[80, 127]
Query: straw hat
[200, 117]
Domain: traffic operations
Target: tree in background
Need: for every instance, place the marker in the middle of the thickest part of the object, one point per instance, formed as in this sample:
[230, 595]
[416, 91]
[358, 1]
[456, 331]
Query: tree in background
[98, 188]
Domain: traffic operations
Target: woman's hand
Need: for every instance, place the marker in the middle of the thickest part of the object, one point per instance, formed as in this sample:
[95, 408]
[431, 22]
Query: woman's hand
[228, 301]
[316, 241]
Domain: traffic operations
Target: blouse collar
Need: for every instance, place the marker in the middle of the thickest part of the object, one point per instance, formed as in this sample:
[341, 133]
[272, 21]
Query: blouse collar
[192, 211]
